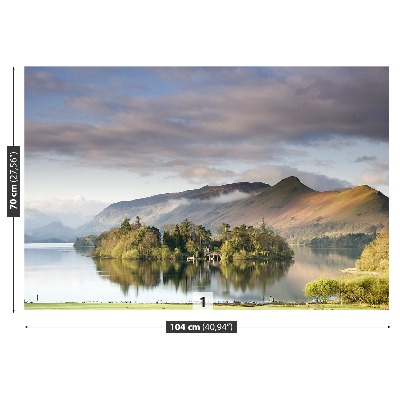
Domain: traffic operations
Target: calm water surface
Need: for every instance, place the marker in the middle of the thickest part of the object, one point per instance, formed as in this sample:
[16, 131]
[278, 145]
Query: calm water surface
[61, 273]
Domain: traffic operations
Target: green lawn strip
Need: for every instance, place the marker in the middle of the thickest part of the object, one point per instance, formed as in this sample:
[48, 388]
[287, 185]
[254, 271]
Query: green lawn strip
[176, 306]
[105, 306]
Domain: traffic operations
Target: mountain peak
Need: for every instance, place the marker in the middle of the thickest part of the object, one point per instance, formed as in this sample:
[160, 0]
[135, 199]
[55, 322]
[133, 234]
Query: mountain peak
[291, 182]
[290, 179]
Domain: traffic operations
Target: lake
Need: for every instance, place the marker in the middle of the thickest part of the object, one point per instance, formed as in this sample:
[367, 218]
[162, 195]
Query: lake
[60, 273]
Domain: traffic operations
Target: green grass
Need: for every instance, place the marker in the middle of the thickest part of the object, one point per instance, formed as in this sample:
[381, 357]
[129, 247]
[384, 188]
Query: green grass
[175, 306]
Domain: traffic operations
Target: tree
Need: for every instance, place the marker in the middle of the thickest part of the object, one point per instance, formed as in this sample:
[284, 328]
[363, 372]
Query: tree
[177, 239]
[191, 247]
[186, 229]
[202, 236]
[321, 289]
[375, 256]
[168, 240]
[223, 230]
[125, 227]
[150, 240]
[263, 226]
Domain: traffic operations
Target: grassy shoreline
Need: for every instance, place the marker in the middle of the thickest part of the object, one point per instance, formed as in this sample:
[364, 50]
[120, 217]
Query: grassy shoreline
[189, 306]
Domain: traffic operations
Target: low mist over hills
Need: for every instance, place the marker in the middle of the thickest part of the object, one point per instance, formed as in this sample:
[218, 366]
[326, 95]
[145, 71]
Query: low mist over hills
[294, 210]
[198, 205]
[53, 232]
[35, 219]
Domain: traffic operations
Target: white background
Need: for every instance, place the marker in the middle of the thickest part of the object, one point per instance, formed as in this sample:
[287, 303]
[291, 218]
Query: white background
[275, 354]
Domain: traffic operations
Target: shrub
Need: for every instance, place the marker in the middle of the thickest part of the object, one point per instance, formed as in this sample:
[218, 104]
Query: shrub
[117, 251]
[321, 289]
[131, 254]
[366, 289]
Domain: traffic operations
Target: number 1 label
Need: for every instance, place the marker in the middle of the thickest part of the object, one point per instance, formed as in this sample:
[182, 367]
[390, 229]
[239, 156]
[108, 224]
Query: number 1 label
[203, 300]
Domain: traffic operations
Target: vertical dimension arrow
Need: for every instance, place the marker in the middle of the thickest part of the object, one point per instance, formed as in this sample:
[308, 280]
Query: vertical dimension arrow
[13, 188]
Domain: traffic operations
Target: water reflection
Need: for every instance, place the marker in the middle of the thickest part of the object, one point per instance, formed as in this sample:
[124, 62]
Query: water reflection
[248, 276]
[62, 273]
[128, 272]
[84, 251]
[242, 276]
[329, 257]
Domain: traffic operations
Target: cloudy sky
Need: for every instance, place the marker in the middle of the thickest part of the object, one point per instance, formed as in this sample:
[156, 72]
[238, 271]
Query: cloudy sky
[99, 135]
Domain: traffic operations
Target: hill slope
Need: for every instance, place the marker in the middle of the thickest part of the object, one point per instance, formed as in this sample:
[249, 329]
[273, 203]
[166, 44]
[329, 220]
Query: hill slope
[293, 209]
[172, 207]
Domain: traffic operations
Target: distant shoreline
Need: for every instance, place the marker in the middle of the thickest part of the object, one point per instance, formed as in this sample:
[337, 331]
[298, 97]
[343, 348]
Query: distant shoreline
[354, 270]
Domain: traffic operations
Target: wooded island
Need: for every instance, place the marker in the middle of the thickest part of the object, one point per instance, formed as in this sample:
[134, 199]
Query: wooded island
[180, 241]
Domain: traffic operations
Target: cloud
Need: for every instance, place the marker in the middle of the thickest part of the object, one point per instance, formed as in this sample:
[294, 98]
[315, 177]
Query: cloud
[376, 175]
[272, 174]
[171, 204]
[229, 197]
[195, 123]
[37, 81]
[375, 179]
[96, 106]
[200, 174]
[252, 112]
[77, 205]
[365, 159]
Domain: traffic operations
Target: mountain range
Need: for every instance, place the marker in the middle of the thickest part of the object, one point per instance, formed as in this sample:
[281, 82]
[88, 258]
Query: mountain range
[292, 209]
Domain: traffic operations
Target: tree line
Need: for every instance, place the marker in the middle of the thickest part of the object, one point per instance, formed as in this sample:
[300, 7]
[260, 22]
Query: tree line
[135, 241]
[351, 240]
